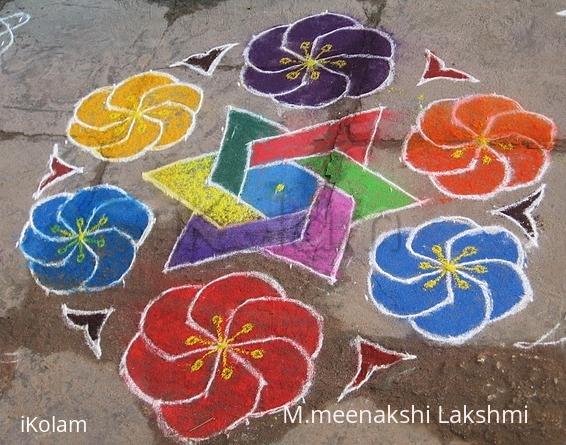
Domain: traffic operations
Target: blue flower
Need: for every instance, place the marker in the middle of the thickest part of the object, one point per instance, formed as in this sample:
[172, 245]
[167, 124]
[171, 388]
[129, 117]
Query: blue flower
[85, 241]
[449, 277]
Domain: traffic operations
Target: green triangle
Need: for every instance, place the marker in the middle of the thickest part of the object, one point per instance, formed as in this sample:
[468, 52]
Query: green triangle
[242, 127]
[372, 192]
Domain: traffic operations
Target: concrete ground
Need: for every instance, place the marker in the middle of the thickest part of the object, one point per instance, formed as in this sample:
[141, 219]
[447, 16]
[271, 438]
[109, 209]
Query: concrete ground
[71, 47]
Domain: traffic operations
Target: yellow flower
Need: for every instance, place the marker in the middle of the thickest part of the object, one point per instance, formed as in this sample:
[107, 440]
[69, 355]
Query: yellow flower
[148, 111]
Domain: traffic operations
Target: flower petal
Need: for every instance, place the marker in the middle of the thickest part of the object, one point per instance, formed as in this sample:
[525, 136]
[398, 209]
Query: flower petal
[176, 94]
[353, 41]
[366, 74]
[93, 110]
[394, 259]
[532, 126]
[128, 93]
[474, 112]
[222, 296]
[407, 298]
[177, 121]
[286, 369]
[265, 52]
[98, 137]
[85, 202]
[278, 317]
[328, 88]
[126, 214]
[508, 285]
[168, 380]
[165, 322]
[270, 83]
[309, 28]
[425, 157]
[143, 134]
[115, 258]
[490, 242]
[459, 320]
[437, 232]
[437, 124]
[44, 216]
[527, 164]
[227, 403]
[483, 180]
[40, 249]
[69, 276]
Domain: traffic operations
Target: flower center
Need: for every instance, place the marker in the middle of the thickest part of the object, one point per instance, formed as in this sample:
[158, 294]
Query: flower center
[279, 187]
[484, 144]
[82, 237]
[451, 267]
[222, 346]
[482, 141]
[309, 63]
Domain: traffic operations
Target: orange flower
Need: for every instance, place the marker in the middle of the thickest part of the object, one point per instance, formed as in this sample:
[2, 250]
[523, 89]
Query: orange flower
[148, 111]
[476, 146]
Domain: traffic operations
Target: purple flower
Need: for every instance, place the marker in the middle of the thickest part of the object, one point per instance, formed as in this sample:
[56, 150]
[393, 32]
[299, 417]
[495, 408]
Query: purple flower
[317, 60]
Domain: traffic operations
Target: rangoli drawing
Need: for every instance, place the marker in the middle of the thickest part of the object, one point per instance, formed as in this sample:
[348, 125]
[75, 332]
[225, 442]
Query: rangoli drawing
[477, 146]
[317, 60]
[449, 277]
[86, 241]
[207, 358]
[148, 111]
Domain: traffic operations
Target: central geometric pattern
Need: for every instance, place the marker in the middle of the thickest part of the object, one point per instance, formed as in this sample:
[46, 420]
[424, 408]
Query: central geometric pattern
[292, 195]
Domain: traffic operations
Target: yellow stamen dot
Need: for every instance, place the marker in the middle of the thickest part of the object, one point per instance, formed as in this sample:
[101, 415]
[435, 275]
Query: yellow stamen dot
[462, 284]
[285, 61]
[197, 365]
[457, 154]
[315, 75]
[504, 146]
[326, 48]
[437, 250]
[247, 328]
[339, 63]
[293, 75]
[192, 340]
[432, 283]
[279, 188]
[477, 269]
[305, 45]
[257, 353]
[486, 159]
[216, 320]
[425, 265]
[227, 373]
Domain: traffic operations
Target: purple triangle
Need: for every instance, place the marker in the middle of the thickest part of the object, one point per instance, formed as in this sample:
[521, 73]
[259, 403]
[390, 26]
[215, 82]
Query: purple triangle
[201, 241]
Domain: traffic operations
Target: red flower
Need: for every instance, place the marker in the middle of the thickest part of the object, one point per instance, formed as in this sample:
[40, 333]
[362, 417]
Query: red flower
[207, 358]
[476, 146]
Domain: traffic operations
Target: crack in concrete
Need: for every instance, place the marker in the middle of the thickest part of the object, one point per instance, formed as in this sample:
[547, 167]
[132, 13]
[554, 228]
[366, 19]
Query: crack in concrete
[99, 173]
[9, 135]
